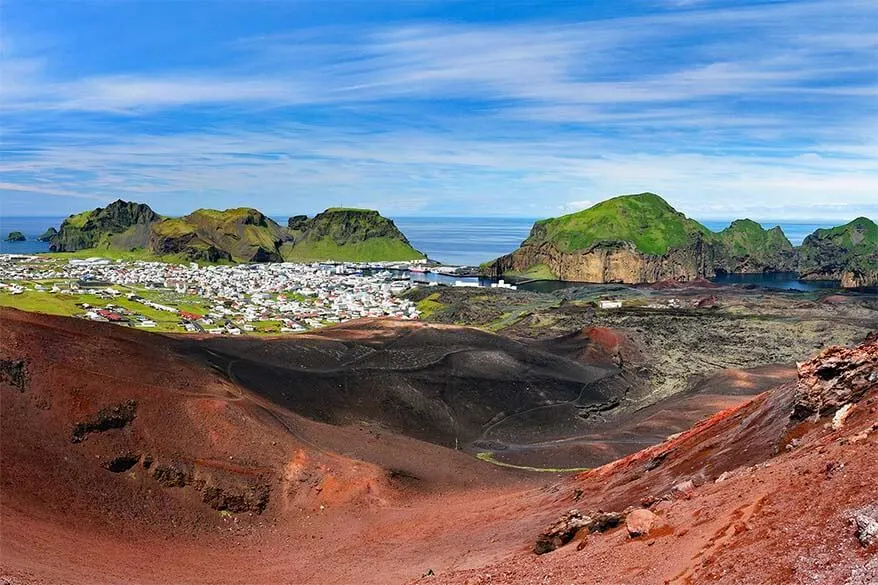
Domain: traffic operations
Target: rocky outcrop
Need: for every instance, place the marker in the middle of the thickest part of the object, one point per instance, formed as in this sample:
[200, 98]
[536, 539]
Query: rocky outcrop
[15, 237]
[237, 235]
[568, 525]
[47, 235]
[836, 377]
[347, 234]
[120, 225]
[618, 262]
[641, 239]
[747, 247]
[848, 253]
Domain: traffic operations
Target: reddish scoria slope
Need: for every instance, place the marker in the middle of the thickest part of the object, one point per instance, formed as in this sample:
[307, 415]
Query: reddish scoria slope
[166, 472]
[749, 496]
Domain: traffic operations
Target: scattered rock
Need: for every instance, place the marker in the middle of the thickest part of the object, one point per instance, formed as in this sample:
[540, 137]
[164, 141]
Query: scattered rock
[832, 467]
[656, 461]
[171, 476]
[683, 488]
[561, 532]
[249, 499]
[866, 523]
[640, 521]
[837, 376]
[111, 417]
[603, 521]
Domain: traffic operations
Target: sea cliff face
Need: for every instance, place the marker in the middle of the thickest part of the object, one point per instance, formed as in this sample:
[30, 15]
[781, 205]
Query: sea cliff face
[641, 239]
[618, 262]
[121, 224]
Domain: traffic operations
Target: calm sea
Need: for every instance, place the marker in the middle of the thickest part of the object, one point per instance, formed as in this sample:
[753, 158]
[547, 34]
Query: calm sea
[452, 240]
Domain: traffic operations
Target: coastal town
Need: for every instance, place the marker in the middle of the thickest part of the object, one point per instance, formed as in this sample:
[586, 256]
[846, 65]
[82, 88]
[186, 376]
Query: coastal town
[216, 299]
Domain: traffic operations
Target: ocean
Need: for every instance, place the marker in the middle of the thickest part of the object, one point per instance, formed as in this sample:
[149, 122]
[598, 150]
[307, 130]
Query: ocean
[451, 240]
[466, 241]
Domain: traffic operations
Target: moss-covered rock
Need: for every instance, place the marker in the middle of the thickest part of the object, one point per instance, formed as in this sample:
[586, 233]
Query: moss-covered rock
[15, 237]
[47, 235]
[343, 234]
[847, 252]
[120, 225]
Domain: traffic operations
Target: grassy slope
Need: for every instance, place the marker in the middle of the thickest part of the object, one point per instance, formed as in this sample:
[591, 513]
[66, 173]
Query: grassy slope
[745, 236]
[537, 272]
[430, 305]
[65, 305]
[645, 219]
[371, 250]
[117, 254]
[841, 235]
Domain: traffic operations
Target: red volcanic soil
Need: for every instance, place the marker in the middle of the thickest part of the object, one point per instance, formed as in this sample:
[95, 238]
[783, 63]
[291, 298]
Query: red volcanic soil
[124, 460]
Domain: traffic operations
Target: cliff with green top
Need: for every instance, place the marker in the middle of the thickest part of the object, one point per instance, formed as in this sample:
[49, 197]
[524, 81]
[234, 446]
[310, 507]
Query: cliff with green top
[848, 253]
[631, 238]
[119, 225]
[243, 234]
[642, 239]
[343, 234]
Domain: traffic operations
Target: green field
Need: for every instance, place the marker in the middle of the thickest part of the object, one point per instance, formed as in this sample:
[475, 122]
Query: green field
[371, 250]
[65, 305]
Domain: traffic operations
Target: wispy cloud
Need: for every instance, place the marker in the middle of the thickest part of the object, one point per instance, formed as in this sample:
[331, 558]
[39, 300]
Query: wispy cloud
[769, 107]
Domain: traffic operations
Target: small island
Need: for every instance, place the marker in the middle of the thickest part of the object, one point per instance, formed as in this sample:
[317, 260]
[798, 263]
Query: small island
[15, 237]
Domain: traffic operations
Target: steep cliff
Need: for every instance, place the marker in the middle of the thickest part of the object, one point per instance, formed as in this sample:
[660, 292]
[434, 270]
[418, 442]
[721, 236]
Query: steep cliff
[848, 253]
[745, 246]
[47, 235]
[355, 235]
[642, 239]
[630, 239]
[120, 225]
[236, 235]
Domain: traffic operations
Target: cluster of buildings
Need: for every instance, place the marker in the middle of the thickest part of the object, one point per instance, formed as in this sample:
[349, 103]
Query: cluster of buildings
[236, 298]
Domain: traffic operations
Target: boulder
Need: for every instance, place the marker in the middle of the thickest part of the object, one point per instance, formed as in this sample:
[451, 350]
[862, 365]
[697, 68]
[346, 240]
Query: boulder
[561, 532]
[866, 523]
[640, 522]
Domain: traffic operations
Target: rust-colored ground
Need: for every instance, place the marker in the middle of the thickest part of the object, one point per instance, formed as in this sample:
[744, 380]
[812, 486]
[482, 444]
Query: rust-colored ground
[357, 504]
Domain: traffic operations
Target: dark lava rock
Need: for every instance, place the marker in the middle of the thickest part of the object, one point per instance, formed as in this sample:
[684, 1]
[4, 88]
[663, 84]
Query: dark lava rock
[112, 417]
[248, 499]
[122, 462]
[14, 373]
[171, 476]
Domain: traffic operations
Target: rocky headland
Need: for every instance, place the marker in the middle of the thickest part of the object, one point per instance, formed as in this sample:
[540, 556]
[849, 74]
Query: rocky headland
[642, 239]
[233, 235]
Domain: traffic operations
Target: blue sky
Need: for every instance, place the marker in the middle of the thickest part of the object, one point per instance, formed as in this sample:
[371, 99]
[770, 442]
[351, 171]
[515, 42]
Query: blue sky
[766, 110]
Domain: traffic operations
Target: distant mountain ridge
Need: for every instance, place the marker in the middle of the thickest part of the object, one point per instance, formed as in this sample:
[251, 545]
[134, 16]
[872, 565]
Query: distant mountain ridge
[642, 239]
[235, 235]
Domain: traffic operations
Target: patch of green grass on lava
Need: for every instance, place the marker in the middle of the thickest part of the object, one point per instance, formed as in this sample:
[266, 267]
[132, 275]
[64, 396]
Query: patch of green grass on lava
[488, 457]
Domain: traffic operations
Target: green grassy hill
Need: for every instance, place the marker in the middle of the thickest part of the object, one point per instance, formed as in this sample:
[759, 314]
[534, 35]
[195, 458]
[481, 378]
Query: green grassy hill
[645, 219]
[133, 231]
[346, 234]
